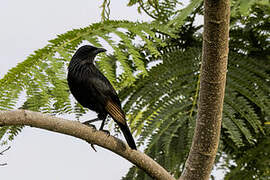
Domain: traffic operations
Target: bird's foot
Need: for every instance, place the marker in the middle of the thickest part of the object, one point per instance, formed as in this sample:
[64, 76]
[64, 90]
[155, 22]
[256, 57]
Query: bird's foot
[93, 147]
[92, 120]
[106, 131]
[86, 122]
[90, 125]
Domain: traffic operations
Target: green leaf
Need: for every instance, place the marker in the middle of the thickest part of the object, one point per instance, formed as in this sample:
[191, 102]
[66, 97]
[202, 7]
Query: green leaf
[184, 13]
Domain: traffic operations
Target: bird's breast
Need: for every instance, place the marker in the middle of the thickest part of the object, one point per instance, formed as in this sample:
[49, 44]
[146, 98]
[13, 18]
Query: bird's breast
[84, 90]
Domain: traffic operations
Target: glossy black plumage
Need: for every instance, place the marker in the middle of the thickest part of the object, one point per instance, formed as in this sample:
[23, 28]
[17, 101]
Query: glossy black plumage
[94, 91]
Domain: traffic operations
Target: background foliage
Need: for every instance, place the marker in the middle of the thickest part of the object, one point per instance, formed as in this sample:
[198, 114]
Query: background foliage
[155, 67]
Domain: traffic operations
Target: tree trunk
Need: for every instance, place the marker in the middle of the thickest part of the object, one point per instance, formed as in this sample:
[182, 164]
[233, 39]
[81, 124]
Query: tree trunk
[212, 86]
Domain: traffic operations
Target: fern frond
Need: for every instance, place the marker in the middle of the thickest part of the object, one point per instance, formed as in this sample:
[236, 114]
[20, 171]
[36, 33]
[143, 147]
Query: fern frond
[42, 76]
[160, 11]
[179, 20]
[46, 63]
[162, 102]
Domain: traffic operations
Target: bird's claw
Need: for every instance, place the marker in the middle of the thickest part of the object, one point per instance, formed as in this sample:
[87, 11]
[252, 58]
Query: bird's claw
[86, 123]
[93, 147]
[106, 131]
[90, 125]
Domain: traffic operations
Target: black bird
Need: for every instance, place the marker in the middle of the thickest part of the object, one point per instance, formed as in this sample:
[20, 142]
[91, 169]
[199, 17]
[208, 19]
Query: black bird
[94, 91]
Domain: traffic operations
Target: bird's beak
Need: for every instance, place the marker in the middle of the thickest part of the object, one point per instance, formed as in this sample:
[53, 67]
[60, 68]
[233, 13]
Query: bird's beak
[99, 50]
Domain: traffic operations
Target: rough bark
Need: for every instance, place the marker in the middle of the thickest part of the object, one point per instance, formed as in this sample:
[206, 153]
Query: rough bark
[89, 134]
[212, 86]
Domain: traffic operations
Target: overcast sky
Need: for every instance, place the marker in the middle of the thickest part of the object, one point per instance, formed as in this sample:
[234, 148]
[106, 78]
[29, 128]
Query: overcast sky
[27, 25]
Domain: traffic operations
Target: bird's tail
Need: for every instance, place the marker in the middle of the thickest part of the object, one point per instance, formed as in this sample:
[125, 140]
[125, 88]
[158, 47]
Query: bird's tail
[118, 115]
[128, 135]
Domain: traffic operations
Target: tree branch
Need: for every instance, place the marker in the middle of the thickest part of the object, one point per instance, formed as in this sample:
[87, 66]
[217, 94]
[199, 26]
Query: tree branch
[89, 134]
[212, 86]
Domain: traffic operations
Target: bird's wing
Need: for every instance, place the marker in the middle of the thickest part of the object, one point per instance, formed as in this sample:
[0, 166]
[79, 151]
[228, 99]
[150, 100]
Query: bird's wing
[109, 98]
[115, 111]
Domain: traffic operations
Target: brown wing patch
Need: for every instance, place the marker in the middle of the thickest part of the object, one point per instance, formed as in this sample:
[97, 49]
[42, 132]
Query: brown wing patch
[115, 111]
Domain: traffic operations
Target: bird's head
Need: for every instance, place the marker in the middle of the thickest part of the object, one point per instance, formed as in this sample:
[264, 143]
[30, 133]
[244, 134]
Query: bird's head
[87, 53]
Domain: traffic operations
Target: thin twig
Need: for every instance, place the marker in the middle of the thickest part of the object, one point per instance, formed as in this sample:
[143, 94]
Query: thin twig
[2, 152]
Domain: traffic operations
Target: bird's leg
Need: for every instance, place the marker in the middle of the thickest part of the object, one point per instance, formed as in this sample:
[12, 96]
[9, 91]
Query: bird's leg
[93, 147]
[102, 124]
[92, 120]
[103, 117]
